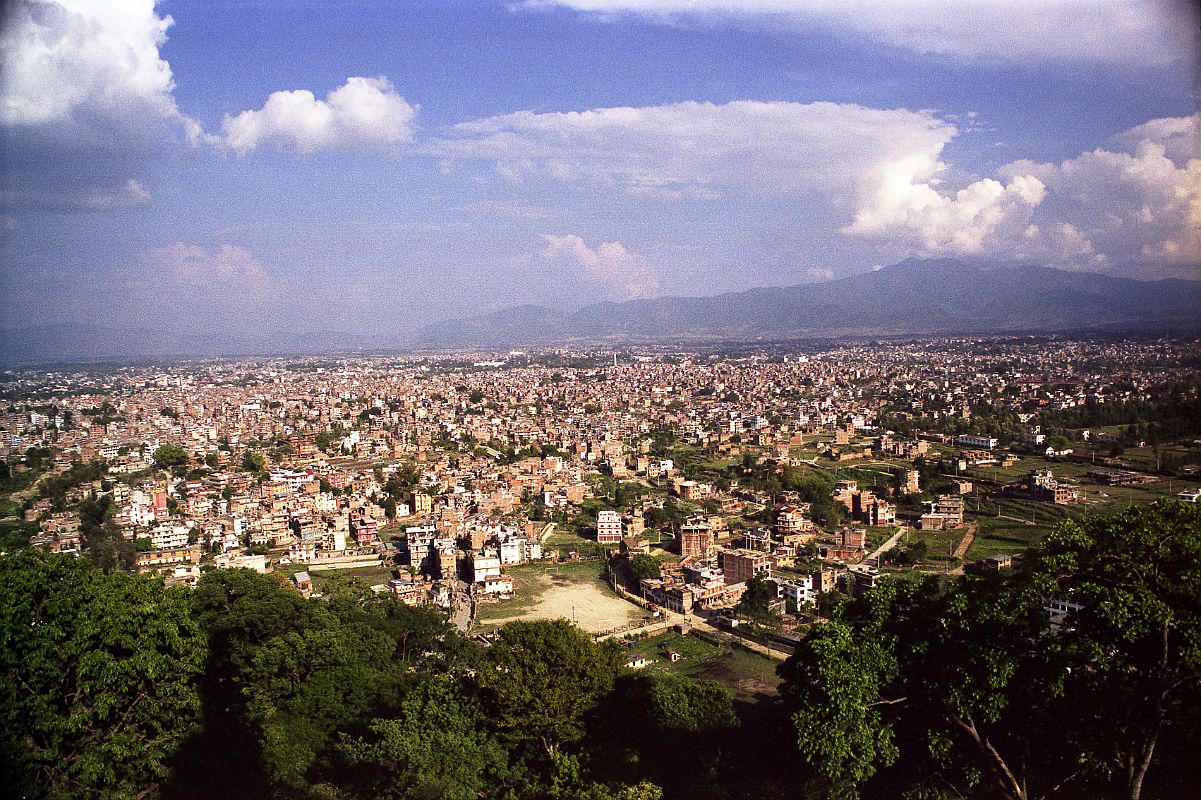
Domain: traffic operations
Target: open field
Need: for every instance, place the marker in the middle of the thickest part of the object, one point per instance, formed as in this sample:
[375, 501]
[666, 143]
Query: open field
[568, 591]
[565, 540]
[746, 674]
[370, 574]
[992, 540]
[940, 543]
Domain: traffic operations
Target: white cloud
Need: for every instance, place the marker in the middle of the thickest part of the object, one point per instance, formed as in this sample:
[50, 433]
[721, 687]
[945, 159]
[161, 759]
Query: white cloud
[86, 103]
[881, 168]
[131, 194]
[228, 271]
[363, 114]
[1136, 32]
[701, 149]
[79, 63]
[1142, 203]
[982, 216]
[625, 272]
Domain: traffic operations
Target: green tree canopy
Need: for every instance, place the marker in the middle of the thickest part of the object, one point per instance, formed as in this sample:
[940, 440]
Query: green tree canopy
[99, 678]
[976, 688]
[643, 566]
[756, 600]
[437, 748]
[167, 456]
[541, 679]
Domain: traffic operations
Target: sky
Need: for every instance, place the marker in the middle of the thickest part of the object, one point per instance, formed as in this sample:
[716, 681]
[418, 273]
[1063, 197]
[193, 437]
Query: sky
[371, 167]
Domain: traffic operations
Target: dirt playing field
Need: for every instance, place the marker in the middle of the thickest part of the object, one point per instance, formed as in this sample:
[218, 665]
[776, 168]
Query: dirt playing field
[547, 593]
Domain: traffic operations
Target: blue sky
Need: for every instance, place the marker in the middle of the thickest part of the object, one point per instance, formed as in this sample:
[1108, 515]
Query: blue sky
[375, 166]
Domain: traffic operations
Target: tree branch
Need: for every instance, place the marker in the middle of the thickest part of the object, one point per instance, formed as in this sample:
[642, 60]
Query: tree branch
[1006, 779]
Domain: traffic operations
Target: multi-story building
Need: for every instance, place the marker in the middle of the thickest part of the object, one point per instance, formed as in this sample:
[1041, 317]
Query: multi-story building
[696, 540]
[608, 527]
[484, 565]
[740, 566]
[982, 442]
[944, 512]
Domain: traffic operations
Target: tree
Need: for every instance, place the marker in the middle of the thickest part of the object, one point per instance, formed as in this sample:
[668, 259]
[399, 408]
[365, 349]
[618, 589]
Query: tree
[1134, 642]
[99, 678]
[438, 747]
[834, 681]
[643, 566]
[167, 456]
[971, 685]
[253, 462]
[542, 677]
[759, 595]
[101, 539]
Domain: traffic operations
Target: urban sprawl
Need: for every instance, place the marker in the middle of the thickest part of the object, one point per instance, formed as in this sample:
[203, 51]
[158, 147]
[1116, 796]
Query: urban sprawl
[690, 475]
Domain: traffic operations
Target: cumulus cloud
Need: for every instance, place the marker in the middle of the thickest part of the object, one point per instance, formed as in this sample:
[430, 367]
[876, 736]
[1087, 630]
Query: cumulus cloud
[1138, 32]
[362, 114]
[1138, 202]
[85, 101]
[623, 271]
[228, 271]
[983, 216]
[71, 61]
[881, 168]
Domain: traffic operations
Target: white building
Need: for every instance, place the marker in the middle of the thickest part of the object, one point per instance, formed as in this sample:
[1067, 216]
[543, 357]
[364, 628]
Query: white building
[169, 537]
[608, 527]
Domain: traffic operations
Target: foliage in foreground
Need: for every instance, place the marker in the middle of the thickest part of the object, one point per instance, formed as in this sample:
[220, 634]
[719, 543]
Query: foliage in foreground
[971, 690]
[114, 685]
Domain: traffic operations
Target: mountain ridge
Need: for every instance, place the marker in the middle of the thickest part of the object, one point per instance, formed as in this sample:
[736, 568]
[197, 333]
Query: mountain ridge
[913, 296]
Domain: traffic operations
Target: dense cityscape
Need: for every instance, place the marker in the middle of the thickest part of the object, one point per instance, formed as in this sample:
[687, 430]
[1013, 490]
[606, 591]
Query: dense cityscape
[701, 510]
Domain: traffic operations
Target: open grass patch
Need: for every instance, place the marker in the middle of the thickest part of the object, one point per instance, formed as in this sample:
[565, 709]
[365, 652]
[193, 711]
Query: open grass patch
[745, 673]
[1008, 541]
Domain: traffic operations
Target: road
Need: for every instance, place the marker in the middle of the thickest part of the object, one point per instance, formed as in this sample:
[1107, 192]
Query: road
[891, 543]
[460, 609]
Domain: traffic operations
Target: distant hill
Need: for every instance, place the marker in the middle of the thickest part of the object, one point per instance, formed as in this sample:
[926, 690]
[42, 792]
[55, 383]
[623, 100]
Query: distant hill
[915, 296]
[912, 297]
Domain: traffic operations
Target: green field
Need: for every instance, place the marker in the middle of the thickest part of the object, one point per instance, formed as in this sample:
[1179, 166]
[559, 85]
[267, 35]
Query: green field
[566, 541]
[939, 543]
[996, 539]
[369, 574]
[744, 672]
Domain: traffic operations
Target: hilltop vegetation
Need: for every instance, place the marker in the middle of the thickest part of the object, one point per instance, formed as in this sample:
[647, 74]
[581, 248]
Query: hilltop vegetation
[115, 685]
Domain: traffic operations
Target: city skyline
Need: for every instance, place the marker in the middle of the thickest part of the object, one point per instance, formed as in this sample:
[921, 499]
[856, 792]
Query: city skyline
[376, 167]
